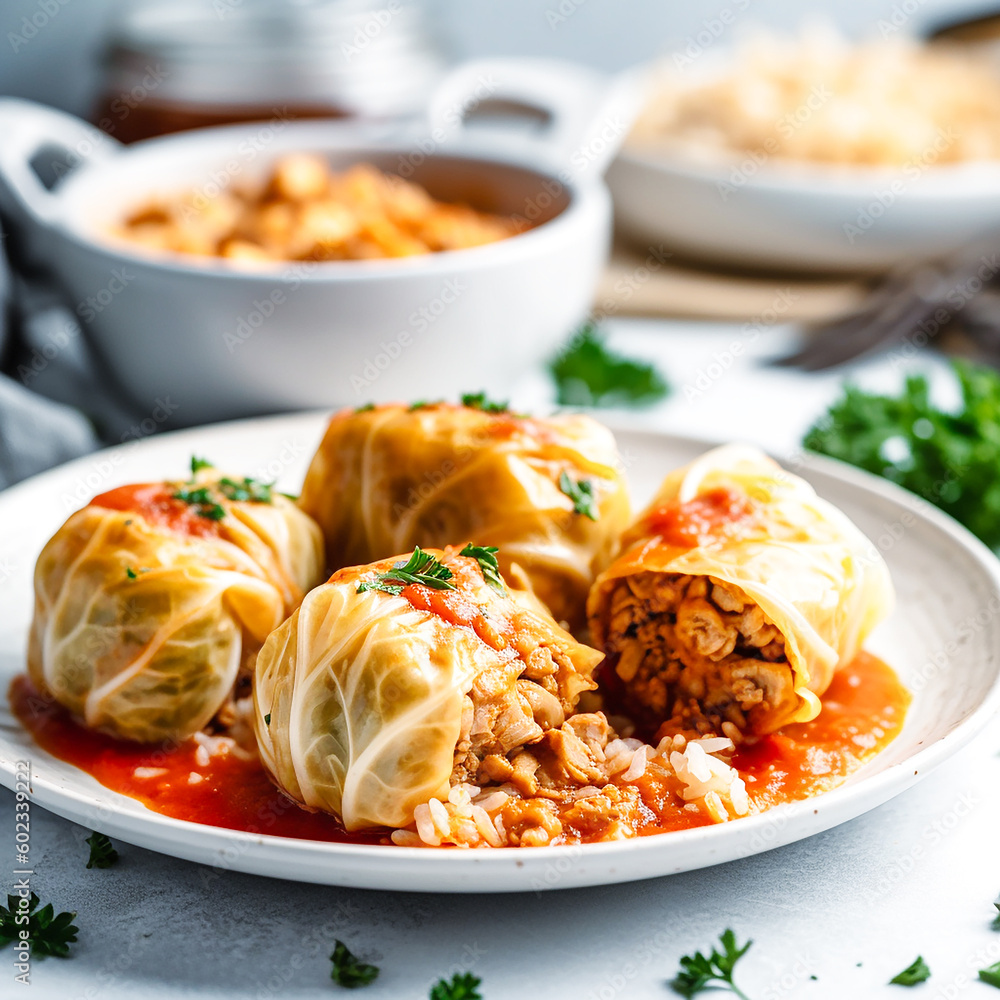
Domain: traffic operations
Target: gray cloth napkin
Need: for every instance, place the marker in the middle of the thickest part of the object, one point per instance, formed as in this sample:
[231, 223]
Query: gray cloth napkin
[56, 403]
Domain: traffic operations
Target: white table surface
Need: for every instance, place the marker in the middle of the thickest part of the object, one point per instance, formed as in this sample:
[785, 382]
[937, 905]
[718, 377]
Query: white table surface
[851, 907]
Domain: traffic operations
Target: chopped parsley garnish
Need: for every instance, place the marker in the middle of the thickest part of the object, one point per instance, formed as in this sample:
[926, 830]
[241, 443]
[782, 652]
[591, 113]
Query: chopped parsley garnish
[131, 573]
[480, 401]
[588, 373]
[348, 971]
[248, 490]
[463, 986]
[697, 971]
[267, 719]
[197, 464]
[201, 500]
[366, 408]
[991, 975]
[581, 493]
[486, 556]
[102, 851]
[949, 458]
[49, 933]
[421, 567]
[425, 404]
[916, 972]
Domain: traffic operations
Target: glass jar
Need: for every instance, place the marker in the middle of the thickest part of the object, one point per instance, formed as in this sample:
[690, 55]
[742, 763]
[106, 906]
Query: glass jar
[171, 65]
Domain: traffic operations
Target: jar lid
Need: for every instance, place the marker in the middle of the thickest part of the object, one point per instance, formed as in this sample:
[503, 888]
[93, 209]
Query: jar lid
[351, 54]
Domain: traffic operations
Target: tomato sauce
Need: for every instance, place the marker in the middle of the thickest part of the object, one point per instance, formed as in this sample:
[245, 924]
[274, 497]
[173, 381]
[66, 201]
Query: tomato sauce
[862, 712]
[718, 512]
[157, 505]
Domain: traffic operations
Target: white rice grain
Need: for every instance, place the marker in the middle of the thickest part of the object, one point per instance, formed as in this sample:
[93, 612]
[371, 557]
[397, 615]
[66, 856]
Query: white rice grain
[637, 766]
[485, 827]
[149, 772]
[439, 817]
[426, 829]
[493, 800]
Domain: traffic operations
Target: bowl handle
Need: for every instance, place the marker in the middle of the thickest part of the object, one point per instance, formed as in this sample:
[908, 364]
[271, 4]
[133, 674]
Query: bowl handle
[586, 114]
[29, 129]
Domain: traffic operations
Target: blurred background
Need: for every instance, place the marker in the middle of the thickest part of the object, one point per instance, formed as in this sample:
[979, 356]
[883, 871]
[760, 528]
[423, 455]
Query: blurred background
[802, 197]
[61, 66]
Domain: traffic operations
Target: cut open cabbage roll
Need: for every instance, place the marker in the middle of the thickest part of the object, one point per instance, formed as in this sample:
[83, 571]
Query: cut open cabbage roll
[548, 492]
[394, 681]
[737, 594]
[150, 600]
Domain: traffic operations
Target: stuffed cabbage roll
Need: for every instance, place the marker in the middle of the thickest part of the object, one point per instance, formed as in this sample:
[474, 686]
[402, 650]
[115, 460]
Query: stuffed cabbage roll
[151, 600]
[737, 595]
[395, 682]
[549, 493]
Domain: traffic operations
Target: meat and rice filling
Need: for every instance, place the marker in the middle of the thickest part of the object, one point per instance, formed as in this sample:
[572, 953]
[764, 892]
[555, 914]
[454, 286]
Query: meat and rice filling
[697, 652]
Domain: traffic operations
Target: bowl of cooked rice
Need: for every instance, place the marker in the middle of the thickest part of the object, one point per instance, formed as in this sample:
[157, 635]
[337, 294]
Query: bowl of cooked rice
[813, 153]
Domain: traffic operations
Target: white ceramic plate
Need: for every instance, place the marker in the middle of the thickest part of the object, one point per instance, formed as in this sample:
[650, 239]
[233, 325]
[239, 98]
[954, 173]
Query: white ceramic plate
[944, 640]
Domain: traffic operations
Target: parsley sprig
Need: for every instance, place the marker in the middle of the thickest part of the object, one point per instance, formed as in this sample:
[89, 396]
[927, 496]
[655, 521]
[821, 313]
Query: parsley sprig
[247, 490]
[102, 851]
[197, 464]
[348, 971]
[697, 971]
[480, 401]
[948, 458]
[49, 933]
[421, 568]
[461, 986]
[587, 373]
[916, 972]
[581, 492]
[203, 502]
[486, 556]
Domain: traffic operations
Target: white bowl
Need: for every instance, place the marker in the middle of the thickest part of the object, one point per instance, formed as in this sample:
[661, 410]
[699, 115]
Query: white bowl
[767, 213]
[214, 341]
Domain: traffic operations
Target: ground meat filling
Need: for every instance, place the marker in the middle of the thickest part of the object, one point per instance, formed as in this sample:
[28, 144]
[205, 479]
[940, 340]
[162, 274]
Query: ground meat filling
[696, 653]
[510, 707]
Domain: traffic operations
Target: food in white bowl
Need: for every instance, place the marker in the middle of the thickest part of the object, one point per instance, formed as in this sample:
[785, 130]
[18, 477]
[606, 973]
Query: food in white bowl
[821, 99]
[219, 341]
[302, 210]
[814, 153]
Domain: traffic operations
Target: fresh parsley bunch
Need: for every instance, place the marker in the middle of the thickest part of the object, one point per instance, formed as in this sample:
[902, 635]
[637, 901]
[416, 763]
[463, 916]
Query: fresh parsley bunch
[951, 459]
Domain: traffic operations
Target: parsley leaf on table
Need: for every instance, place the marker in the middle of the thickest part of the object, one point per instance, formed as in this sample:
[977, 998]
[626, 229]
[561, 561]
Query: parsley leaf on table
[421, 567]
[102, 851]
[991, 974]
[949, 458]
[49, 933]
[588, 373]
[348, 971]
[916, 972]
[581, 493]
[486, 556]
[697, 971]
[463, 986]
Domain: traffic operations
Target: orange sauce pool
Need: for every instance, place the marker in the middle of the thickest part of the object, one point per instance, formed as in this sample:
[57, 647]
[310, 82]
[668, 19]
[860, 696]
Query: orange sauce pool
[863, 710]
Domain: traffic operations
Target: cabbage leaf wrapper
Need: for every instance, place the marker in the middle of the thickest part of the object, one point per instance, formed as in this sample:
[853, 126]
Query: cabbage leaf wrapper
[392, 477]
[368, 704]
[148, 606]
[737, 594]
